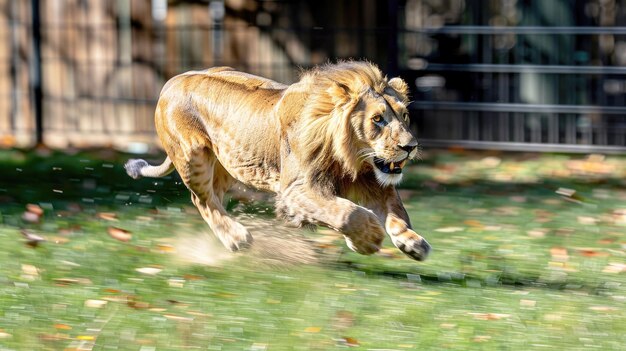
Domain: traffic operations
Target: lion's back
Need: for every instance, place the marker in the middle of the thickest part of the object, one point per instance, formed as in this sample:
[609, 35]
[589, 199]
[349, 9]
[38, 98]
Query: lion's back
[234, 112]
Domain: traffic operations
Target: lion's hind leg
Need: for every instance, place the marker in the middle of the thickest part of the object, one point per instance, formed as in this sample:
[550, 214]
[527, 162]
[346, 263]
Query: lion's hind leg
[207, 180]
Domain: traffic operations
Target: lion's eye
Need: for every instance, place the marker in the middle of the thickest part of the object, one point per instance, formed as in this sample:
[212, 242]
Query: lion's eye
[377, 119]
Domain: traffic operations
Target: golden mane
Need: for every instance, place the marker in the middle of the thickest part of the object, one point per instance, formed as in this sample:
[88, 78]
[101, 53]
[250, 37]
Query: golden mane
[326, 136]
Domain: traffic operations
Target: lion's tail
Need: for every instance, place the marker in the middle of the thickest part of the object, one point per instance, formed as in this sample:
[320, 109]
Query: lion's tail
[137, 168]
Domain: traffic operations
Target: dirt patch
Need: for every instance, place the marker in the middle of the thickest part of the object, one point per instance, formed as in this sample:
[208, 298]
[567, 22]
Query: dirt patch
[274, 245]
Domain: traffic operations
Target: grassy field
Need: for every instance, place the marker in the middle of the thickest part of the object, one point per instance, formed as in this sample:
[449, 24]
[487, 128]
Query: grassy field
[529, 254]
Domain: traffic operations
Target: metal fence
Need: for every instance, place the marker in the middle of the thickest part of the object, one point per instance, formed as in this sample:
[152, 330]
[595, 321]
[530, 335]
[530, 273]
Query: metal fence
[498, 74]
[546, 76]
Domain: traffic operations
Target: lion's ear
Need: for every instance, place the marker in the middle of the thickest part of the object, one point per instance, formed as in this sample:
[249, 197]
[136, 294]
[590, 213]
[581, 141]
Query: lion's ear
[399, 85]
[339, 93]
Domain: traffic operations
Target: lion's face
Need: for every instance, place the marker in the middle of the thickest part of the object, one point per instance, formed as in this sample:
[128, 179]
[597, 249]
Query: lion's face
[382, 127]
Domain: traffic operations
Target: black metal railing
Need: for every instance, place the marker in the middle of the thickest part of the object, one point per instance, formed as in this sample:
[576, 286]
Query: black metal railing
[554, 86]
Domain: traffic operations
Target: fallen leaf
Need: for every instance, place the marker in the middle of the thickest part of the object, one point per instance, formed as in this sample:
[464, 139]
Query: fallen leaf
[178, 318]
[473, 223]
[614, 267]
[570, 195]
[590, 166]
[117, 298]
[587, 220]
[86, 338]
[592, 253]
[95, 303]
[606, 241]
[312, 329]
[31, 217]
[165, 248]
[4, 335]
[32, 240]
[481, 338]
[62, 326]
[351, 341]
[449, 229]
[602, 308]
[119, 234]
[149, 270]
[68, 281]
[138, 305]
[31, 270]
[53, 337]
[559, 253]
[537, 233]
[489, 316]
[566, 192]
[35, 209]
[176, 283]
[108, 216]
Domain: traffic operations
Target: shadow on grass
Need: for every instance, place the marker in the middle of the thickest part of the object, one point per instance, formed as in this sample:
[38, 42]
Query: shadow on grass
[96, 179]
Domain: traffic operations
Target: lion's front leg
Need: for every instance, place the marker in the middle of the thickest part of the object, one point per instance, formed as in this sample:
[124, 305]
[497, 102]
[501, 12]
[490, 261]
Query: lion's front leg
[405, 239]
[398, 226]
[361, 227]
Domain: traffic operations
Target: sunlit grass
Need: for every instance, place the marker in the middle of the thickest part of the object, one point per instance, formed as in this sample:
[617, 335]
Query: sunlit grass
[515, 266]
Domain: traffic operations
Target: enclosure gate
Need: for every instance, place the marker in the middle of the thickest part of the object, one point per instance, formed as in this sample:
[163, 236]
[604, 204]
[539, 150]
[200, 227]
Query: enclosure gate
[536, 75]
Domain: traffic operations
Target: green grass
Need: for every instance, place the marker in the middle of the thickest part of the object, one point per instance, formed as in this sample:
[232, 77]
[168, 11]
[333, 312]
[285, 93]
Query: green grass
[515, 265]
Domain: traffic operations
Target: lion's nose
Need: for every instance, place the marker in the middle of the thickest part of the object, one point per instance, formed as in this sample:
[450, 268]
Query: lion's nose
[408, 148]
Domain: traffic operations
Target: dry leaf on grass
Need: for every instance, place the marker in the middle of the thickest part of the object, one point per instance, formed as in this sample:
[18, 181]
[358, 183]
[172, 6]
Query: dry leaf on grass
[119, 234]
[489, 316]
[62, 326]
[559, 253]
[95, 303]
[32, 239]
[449, 229]
[108, 216]
[149, 270]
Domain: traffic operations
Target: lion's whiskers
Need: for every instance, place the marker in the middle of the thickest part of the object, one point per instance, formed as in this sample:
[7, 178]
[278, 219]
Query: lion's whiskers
[364, 154]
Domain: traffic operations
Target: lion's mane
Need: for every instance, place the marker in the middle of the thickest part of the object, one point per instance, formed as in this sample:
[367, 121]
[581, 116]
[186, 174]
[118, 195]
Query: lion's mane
[328, 141]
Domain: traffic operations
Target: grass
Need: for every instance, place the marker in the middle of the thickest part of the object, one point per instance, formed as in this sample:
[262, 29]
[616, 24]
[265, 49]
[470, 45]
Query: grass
[520, 262]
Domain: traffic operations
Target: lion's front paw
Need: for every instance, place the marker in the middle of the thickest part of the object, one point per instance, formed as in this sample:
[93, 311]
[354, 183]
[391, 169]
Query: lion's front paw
[412, 244]
[235, 238]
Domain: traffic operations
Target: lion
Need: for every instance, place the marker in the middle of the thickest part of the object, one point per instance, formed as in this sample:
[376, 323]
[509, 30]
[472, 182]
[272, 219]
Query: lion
[331, 146]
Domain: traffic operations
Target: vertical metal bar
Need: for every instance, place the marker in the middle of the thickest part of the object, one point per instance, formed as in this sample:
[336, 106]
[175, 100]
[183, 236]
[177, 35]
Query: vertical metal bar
[36, 78]
[218, 12]
[570, 129]
[392, 39]
[15, 66]
[125, 32]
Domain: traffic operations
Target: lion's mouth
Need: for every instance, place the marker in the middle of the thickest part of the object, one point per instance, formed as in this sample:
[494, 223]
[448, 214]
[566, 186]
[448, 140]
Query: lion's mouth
[394, 167]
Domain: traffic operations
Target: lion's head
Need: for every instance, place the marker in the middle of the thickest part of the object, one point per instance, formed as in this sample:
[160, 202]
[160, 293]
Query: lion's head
[357, 119]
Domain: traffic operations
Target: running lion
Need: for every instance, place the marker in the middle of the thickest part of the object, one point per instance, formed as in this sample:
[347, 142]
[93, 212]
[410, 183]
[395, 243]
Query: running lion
[331, 146]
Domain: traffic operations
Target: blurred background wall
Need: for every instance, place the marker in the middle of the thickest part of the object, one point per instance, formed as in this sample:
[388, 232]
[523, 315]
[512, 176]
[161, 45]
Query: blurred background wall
[503, 74]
